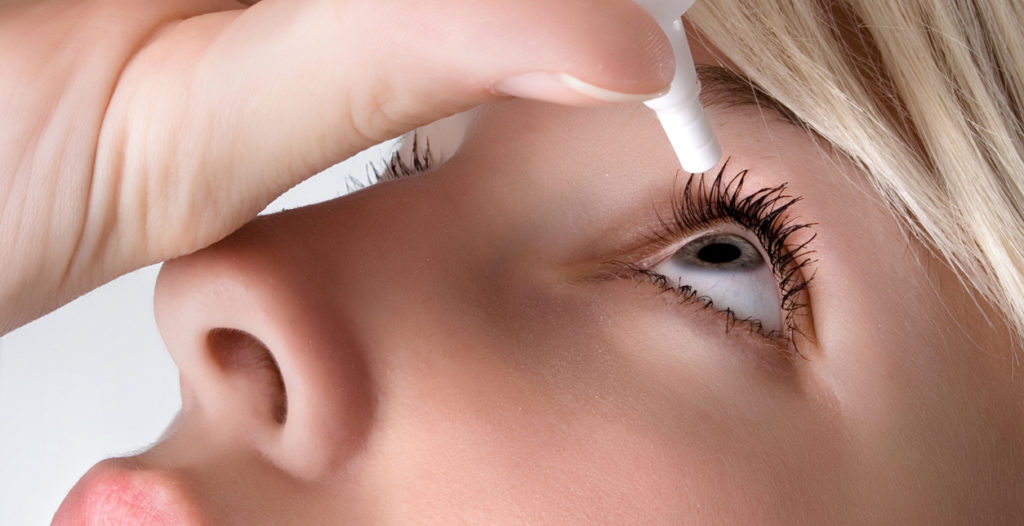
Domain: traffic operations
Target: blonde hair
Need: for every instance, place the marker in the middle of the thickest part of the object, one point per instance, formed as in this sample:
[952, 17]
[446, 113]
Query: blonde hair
[925, 96]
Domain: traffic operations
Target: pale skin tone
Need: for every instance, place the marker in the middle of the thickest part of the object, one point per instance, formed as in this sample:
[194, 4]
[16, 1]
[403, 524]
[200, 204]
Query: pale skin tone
[447, 359]
[449, 354]
[161, 127]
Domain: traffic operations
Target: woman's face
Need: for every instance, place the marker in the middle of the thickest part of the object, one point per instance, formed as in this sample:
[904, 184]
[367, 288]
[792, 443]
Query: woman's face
[489, 343]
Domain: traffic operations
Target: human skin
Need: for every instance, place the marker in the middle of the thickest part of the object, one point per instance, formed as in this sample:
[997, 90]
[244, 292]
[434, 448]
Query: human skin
[135, 132]
[454, 351]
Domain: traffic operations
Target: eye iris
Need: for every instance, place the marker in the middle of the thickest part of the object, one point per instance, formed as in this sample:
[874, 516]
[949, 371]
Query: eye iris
[717, 253]
[720, 252]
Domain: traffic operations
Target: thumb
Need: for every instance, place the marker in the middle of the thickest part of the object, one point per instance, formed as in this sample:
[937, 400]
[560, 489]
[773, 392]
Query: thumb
[244, 104]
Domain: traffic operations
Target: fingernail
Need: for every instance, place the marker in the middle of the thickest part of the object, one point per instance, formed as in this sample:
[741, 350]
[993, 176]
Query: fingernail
[562, 88]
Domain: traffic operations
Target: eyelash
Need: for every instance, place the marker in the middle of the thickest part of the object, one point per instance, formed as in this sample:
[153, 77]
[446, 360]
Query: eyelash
[397, 168]
[765, 213]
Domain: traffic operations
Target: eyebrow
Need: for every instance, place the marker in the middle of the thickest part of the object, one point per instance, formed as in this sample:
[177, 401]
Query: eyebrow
[725, 87]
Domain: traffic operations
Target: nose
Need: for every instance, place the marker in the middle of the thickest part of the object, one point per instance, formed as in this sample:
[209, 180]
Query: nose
[267, 353]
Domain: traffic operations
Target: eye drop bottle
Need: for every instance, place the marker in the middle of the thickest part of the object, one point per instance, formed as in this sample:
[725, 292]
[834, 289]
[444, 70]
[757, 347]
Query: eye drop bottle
[680, 110]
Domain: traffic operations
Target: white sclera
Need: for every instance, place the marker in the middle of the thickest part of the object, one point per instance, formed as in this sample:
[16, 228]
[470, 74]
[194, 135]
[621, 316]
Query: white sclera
[750, 293]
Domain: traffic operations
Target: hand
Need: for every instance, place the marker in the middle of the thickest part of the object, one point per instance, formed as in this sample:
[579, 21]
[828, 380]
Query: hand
[134, 132]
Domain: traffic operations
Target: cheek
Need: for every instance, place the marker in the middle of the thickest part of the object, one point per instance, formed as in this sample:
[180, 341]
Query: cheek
[910, 359]
[882, 307]
[586, 406]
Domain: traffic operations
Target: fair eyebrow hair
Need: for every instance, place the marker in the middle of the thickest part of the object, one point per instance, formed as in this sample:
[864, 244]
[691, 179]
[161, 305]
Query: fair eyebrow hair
[724, 87]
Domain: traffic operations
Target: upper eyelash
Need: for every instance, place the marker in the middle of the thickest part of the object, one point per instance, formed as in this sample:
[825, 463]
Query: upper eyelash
[398, 167]
[394, 166]
[763, 212]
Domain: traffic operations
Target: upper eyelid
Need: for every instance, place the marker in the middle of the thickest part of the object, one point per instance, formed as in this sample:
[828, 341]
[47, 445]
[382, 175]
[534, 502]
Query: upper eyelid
[667, 244]
[657, 232]
[662, 230]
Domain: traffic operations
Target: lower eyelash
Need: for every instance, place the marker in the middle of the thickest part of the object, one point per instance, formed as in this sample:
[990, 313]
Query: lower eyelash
[765, 213]
[691, 295]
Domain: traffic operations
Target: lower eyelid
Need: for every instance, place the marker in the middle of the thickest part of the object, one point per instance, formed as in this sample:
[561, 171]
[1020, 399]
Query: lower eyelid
[778, 355]
[690, 294]
[641, 275]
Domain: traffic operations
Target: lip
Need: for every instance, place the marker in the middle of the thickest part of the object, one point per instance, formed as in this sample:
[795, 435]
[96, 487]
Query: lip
[120, 491]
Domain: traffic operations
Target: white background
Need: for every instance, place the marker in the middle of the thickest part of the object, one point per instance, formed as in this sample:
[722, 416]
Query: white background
[92, 380]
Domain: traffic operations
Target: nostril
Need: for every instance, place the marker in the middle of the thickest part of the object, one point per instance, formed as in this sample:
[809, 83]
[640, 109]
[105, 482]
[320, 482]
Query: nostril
[239, 353]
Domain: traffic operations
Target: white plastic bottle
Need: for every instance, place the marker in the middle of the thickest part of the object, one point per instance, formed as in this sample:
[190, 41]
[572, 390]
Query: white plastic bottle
[680, 110]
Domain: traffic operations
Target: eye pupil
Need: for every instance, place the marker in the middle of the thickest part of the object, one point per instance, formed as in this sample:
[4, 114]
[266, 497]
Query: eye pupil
[717, 253]
[720, 252]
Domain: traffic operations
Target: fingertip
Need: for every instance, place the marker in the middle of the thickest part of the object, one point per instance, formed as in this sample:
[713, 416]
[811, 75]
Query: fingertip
[628, 51]
[563, 88]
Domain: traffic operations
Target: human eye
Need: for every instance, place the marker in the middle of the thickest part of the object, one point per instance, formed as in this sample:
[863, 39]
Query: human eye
[731, 271]
[418, 152]
[407, 158]
[733, 251]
